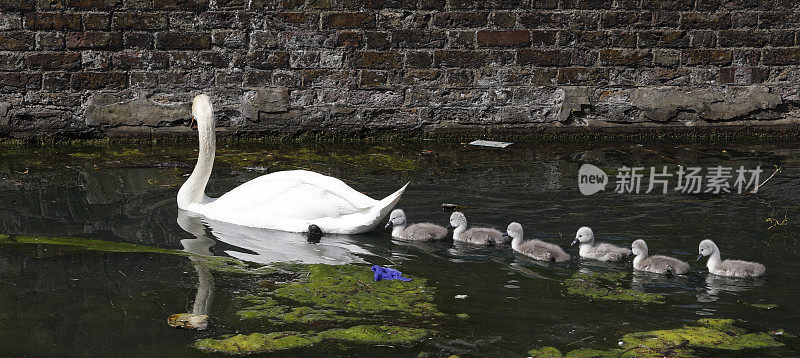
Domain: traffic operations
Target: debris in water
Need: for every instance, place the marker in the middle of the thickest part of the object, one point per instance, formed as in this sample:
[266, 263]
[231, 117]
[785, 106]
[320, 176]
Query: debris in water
[490, 143]
[461, 297]
[197, 322]
[451, 207]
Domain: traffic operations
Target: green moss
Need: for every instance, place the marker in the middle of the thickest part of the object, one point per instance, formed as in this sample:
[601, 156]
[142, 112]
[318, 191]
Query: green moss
[607, 286]
[376, 334]
[763, 306]
[592, 353]
[86, 244]
[256, 343]
[276, 341]
[462, 316]
[708, 333]
[545, 352]
[351, 289]
[723, 334]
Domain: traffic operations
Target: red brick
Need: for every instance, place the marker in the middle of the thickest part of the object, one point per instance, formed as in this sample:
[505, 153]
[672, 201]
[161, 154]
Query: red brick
[194, 5]
[54, 61]
[16, 40]
[537, 57]
[504, 38]
[782, 56]
[459, 58]
[349, 39]
[377, 60]
[17, 5]
[96, 21]
[707, 57]
[582, 75]
[52, 21]
[348, 20]
[613, 57]
[418, 38]
[92, 4]
[174, 40]
[18, 81]
[139, 21]
[452, 20]
[418, 59]
[11, 62]
[268, 59]
[706, 20]
[94, 40]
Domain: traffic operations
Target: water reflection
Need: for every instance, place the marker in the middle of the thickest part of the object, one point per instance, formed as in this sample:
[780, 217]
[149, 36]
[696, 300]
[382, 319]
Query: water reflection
[266, 246]
[719, 284]
[200, 245]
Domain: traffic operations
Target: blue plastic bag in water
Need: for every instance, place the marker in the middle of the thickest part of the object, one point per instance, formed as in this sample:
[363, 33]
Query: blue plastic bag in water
[385, 273]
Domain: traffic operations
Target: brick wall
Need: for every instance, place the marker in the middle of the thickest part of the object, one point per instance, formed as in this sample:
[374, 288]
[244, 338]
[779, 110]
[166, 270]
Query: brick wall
[107, 67]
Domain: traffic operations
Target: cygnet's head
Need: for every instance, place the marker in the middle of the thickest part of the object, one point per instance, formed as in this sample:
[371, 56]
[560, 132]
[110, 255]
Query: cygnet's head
[314, 234]
[706, 248]
[514, 230]
[639, 247]
[203, 112]
[457, 219]
[396, 218]
[583, 235]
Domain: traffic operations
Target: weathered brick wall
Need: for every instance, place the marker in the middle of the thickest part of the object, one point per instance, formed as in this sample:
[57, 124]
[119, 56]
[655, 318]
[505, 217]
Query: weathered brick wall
[107, 67]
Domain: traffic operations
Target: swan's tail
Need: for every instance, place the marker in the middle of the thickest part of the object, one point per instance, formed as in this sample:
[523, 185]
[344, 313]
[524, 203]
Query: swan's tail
[387, 204]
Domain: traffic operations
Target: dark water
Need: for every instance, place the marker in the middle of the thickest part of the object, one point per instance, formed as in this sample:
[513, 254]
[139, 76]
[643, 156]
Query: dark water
[55, 301]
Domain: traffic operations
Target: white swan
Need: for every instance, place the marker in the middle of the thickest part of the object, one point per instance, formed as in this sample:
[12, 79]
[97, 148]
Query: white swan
[287, 200]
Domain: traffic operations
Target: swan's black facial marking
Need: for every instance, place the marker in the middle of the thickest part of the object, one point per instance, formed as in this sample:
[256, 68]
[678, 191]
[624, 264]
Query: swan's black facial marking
[314, 234]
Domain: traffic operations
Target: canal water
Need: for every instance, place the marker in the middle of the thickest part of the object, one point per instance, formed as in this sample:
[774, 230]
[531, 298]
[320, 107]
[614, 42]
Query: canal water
[60, 301]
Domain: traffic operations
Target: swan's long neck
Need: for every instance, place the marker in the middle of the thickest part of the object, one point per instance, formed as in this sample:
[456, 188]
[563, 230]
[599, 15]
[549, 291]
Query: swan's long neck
[586, 246]
[714, 259]
[193, 191]
[638, 259]
[515, 242]
[459, 230]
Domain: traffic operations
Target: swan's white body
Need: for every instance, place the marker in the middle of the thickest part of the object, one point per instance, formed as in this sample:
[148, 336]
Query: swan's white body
[287, 200]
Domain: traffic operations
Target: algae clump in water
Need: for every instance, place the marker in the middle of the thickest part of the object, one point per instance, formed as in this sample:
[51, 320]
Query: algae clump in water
[722, 334]
[270, 342]
[376, 334]
[350, 288]
[607, 286]
[256, 342]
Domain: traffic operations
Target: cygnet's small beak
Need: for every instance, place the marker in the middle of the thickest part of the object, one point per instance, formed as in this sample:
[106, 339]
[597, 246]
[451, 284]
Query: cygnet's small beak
[388, 225]
[449, 226]
[574, 242]
[505, 234]
[699, 256]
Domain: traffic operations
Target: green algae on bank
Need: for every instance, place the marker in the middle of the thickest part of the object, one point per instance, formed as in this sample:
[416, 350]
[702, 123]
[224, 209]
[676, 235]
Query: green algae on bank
[607, 286]
[721, 334]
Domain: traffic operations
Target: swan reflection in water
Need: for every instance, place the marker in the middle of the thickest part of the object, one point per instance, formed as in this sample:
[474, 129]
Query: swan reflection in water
[261, 246]
[265, 246]
[717, 284]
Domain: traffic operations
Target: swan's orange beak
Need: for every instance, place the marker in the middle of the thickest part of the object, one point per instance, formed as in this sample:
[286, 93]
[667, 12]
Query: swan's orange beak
[192, 123]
